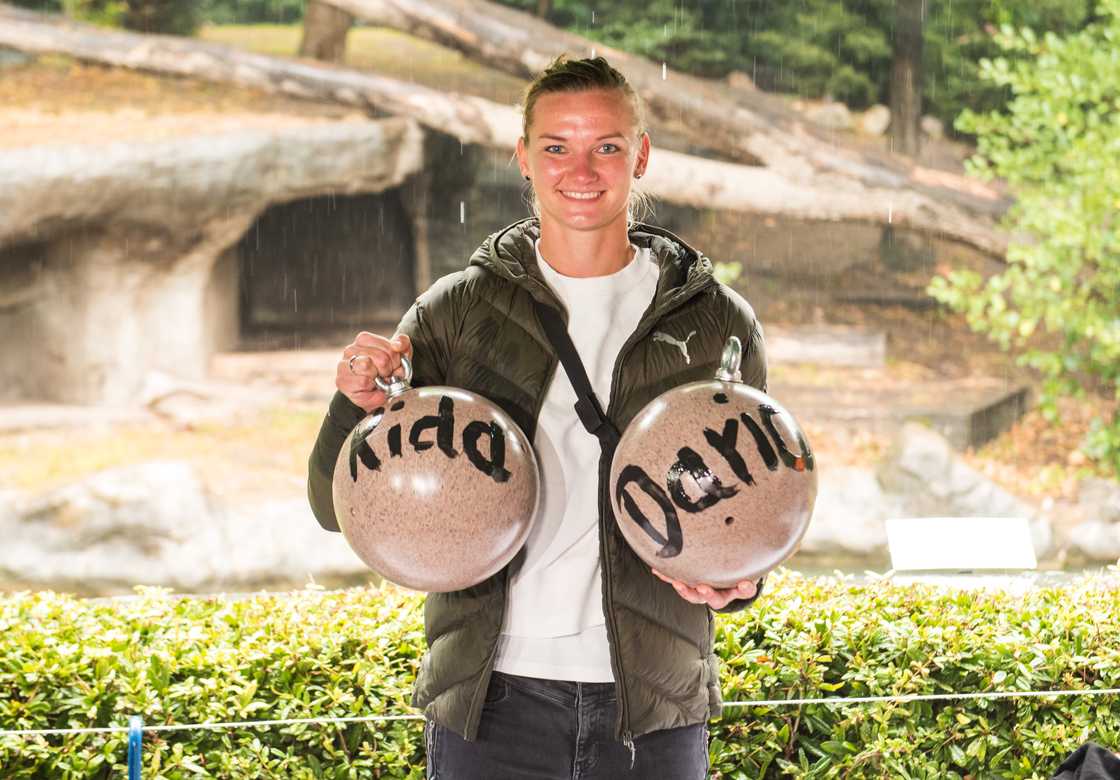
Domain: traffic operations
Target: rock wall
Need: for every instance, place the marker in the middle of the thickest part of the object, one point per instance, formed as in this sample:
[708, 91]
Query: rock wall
[220, 304]
[114, 259]
[109, 304]
[157, 523]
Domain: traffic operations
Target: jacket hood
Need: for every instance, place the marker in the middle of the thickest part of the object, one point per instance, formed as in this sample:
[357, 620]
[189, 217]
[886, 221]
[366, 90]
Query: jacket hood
[684, 271]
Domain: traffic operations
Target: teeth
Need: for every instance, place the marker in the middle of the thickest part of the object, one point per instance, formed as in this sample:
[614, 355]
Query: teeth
[582, 195]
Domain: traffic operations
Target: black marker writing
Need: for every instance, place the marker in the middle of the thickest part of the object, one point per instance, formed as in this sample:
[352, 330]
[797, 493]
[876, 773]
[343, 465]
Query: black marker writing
[765, 449]
[492, 465]
[671, 544]
[359, 448]
[801, 462]
[495, 466]
[714, 491]
[724, 444]
[444, 425]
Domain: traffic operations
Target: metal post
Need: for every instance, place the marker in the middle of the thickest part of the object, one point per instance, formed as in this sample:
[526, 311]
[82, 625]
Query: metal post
[135, 739]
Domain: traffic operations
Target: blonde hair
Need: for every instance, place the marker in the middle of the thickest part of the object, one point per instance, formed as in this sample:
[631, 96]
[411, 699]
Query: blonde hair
[565, 75]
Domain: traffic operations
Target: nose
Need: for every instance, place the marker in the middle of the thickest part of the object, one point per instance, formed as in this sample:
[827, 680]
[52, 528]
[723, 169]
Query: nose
[583, 168]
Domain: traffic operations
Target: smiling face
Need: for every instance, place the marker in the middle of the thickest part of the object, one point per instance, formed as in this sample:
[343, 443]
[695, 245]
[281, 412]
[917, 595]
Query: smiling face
[582, 154]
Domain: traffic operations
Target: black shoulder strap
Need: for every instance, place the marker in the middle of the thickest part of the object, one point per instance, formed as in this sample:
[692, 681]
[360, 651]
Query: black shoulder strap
[587, 405]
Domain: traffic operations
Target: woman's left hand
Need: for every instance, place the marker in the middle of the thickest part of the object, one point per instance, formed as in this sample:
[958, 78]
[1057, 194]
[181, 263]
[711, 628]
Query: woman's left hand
[706, 594]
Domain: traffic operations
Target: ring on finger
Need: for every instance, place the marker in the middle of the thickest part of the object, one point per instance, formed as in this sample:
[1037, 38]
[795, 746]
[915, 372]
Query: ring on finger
[350, 363]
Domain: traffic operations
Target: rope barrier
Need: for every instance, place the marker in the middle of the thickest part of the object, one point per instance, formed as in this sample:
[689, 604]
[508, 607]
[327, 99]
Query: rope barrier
[247, 724]
[904, 698]
[136, 726]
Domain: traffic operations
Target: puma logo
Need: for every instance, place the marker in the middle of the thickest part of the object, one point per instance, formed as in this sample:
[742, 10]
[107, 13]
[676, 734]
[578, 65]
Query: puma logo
[681, 345]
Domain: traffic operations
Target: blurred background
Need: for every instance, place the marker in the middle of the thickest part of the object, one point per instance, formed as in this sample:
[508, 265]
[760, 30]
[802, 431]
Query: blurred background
[202, 202]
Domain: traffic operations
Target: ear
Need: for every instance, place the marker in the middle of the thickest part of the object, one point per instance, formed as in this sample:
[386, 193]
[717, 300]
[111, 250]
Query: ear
[522, 156]
[643, 155]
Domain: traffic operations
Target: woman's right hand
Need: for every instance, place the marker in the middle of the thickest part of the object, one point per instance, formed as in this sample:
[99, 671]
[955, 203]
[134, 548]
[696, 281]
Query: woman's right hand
[373, 356]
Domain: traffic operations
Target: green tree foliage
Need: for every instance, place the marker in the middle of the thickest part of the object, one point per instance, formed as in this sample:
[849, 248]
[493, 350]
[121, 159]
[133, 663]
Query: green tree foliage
[174, 17]
[812, 48]
[691, 37]
[178, 17]
[821, 47]
[959, 35]
[46, 6]
[1057, 144]
[252, 11]
[108, 13]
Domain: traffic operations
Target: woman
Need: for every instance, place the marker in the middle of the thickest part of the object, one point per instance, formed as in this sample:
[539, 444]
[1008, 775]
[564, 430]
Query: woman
[577, 659]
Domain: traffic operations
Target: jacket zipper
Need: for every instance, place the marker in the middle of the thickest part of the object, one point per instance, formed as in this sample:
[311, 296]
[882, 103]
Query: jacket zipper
[622, 727]
[646, 324]
[475, 714]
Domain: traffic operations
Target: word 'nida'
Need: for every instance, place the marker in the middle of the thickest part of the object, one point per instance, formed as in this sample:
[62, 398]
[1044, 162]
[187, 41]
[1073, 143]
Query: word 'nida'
[772, 448]
[444, 424]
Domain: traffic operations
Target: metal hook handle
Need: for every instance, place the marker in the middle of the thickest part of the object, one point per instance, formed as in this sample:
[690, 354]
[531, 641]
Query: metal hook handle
[397, 384]
[729, 363]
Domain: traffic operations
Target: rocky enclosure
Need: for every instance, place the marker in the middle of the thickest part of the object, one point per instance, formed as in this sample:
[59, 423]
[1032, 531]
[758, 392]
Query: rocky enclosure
[158, 523]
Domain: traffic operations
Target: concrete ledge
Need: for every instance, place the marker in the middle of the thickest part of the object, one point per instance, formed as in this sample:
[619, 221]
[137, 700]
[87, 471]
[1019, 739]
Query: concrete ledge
[967, 412]
[830, 345]
[181, 183]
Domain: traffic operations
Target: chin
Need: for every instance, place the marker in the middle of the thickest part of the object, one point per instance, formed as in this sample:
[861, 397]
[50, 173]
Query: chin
[586, 221]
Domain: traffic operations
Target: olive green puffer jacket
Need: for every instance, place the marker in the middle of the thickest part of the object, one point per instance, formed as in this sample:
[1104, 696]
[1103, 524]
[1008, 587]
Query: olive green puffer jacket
[477, 329]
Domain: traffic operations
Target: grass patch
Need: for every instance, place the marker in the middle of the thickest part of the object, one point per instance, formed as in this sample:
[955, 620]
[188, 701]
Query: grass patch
[383, 51]
[266, 452]
[1041, 458]
[60, 84]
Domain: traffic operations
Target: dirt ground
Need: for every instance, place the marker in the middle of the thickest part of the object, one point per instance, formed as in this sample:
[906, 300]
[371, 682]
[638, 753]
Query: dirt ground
[259, 450]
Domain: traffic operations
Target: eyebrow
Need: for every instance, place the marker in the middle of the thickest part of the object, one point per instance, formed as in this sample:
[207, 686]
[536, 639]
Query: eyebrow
[564, 138]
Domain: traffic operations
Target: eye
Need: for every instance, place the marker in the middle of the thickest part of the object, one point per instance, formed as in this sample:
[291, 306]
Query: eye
[610, 148]
[553, 148]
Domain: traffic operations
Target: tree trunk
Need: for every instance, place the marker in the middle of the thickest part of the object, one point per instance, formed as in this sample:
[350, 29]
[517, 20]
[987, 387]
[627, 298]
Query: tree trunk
[906, 78]
[920, 201]
[324, 32]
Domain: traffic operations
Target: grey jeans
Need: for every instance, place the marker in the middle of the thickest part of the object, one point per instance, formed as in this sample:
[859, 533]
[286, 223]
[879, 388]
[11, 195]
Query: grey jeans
[559, 730]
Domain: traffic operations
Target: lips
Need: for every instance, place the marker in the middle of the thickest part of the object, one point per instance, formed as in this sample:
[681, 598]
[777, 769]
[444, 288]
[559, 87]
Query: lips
[582, 195]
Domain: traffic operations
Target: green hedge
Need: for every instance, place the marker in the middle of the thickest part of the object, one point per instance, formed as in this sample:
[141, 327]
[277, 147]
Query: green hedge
[66, 662]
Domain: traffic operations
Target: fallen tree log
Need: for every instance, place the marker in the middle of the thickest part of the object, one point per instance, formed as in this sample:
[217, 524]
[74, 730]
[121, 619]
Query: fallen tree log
[831, 194]
[753, 128]
[470, 119]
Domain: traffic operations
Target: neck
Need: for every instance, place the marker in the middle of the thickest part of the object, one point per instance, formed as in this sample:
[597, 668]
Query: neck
[584, 253]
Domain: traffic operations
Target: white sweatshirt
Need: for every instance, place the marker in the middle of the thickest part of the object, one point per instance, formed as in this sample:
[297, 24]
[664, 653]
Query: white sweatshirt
[554, 626]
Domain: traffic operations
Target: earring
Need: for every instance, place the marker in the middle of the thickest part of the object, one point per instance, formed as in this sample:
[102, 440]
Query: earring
[637, 175]
[526, 178]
